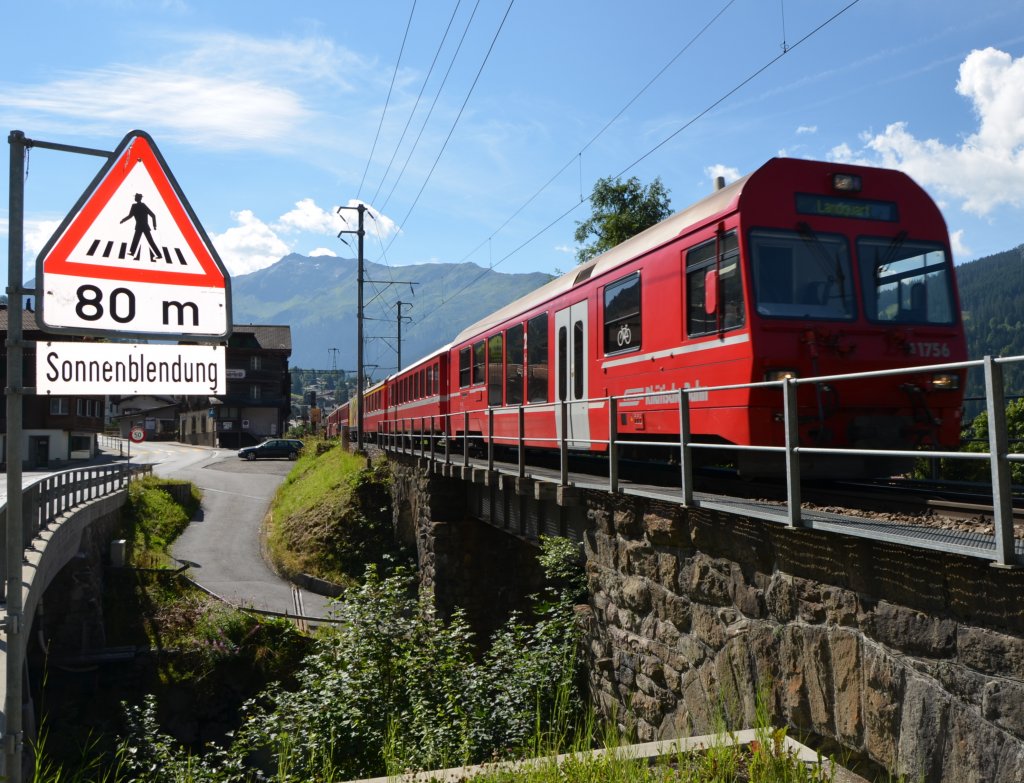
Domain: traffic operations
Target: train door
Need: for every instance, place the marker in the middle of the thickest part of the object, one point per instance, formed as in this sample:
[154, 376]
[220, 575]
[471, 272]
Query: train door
[571, 382]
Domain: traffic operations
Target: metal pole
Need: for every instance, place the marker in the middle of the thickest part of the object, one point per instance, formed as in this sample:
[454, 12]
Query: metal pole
[998, 445]
[613, 447]
[490, 438]
[522, 445]
[563, 444]
[792, 455]
[359, 332]
[685, 452]
[13, 735]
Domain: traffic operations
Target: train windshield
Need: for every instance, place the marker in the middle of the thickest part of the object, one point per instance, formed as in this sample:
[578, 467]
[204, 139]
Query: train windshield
[905, 281]
[802, 275]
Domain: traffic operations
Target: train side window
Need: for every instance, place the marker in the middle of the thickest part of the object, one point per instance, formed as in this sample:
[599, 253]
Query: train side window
[563, 362]
[479, 359]
[464, 368]
[622, 315]
[723, 256]
[537, 359]
[577, 360]
[495, 376]
[514, 365]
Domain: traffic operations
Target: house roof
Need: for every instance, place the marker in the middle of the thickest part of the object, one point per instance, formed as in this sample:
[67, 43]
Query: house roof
[266, 336]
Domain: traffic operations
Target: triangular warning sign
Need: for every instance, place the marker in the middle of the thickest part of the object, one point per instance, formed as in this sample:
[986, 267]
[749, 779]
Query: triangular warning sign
[134, 236]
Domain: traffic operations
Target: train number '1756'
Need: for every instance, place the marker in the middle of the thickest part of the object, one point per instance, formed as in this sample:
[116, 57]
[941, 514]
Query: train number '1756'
[929, 350]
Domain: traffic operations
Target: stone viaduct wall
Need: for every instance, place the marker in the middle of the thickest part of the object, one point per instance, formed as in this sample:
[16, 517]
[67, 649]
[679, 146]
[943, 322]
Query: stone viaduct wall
[912, 659]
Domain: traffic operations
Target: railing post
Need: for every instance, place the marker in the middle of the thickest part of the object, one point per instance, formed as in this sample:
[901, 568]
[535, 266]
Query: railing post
[792, 423]
[998, 446]
[433, 450]
[613, 446]
[563, 444]
[449, 441]
[685, 452]
[522, 441]
[465, 439]
[490, 438]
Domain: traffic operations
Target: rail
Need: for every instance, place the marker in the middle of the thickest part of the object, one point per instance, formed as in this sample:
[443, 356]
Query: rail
[51, 497]
[425, 436]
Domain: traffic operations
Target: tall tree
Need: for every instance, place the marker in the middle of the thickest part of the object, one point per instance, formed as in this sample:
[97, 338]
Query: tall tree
[620, 210]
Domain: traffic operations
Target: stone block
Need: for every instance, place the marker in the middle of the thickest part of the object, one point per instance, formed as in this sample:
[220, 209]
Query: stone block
[1003, 704]
[706, 627]
[973, 748]
[780, 598]
[705, 581]
[910, 631]
[923, 729]
[636, 595]
[991, 652]
[667, 530]
[883, 695]
[847, 680]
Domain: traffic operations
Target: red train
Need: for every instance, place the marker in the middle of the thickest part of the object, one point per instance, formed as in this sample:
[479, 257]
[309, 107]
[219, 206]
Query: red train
[798, 269]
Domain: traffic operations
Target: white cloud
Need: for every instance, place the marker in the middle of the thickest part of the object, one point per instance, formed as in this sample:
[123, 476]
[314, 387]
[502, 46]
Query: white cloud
[807, 129]
[223, 112]
[960, 250]
[322, 251]
[567, 249]
[307, 216]
[986, 170]
[730, 173]
[249, 246]
[377, 225]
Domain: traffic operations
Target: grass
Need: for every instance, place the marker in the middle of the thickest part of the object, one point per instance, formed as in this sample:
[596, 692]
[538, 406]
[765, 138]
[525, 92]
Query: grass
[331, 516]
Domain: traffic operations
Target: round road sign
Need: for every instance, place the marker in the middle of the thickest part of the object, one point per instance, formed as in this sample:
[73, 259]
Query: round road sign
[137, 435]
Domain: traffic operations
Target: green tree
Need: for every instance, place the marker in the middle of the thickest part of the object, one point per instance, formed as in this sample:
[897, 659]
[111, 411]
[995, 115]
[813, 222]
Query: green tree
[620, 210]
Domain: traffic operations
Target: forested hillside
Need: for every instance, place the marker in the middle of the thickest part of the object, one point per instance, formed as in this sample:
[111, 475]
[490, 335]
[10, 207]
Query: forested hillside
[992, 298]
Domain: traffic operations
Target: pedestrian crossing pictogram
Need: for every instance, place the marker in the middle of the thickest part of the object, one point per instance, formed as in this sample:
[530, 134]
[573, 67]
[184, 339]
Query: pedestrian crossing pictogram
[132, 258]
[105, 249]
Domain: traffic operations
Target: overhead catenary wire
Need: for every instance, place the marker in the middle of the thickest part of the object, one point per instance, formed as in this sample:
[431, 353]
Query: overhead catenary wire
[412, 112]
[384, 111]
[725, 96]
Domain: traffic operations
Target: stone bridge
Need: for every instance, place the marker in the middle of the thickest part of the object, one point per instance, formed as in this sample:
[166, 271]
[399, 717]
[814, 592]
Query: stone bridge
[907, 657]
[62, 516]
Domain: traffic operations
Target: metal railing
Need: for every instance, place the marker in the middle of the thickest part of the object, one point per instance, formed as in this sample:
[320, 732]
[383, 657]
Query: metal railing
[425, 436]
[48, 499]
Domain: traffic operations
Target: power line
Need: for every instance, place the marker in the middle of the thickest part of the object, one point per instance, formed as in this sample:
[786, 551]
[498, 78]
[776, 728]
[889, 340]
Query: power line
[462, 108]
[388, 99]
[437, 96]
[416, 105]
[653, 149]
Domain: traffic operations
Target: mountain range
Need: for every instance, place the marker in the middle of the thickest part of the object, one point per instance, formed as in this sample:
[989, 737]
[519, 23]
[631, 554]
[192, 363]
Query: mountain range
[317, 297]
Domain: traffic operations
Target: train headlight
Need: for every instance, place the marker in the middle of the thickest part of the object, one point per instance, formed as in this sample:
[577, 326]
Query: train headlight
[946, 381]
[848, 183]
[779, 375]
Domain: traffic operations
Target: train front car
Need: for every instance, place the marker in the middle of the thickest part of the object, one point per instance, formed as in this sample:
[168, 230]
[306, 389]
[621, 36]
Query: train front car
[847, 269]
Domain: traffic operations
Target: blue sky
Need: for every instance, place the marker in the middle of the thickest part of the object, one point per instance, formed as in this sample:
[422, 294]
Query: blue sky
[271, 115]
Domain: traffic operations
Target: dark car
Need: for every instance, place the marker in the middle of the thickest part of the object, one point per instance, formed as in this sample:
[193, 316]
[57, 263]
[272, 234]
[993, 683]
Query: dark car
[276, 447]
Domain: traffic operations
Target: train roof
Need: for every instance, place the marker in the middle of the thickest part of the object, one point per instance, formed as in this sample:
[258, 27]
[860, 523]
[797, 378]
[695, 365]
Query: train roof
[720, 201]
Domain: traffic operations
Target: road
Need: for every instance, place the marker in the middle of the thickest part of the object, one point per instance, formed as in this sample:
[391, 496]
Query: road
[222, 543]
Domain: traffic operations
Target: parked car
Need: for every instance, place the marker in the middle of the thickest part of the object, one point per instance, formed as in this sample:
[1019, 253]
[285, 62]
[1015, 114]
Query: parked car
[275, 447]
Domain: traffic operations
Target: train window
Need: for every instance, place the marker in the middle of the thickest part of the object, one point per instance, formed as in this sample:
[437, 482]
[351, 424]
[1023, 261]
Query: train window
[577, 360]
[495, 376]
[537, 359]
[563, 362]
[721, 255]
[514, 365]
[479, 357]
[622, 315]
[464, 368]
[905, 281]
[802, 275]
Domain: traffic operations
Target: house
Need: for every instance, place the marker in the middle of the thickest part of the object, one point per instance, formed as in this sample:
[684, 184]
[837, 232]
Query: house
[257, 402]
[55, 429]
[156, 415]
